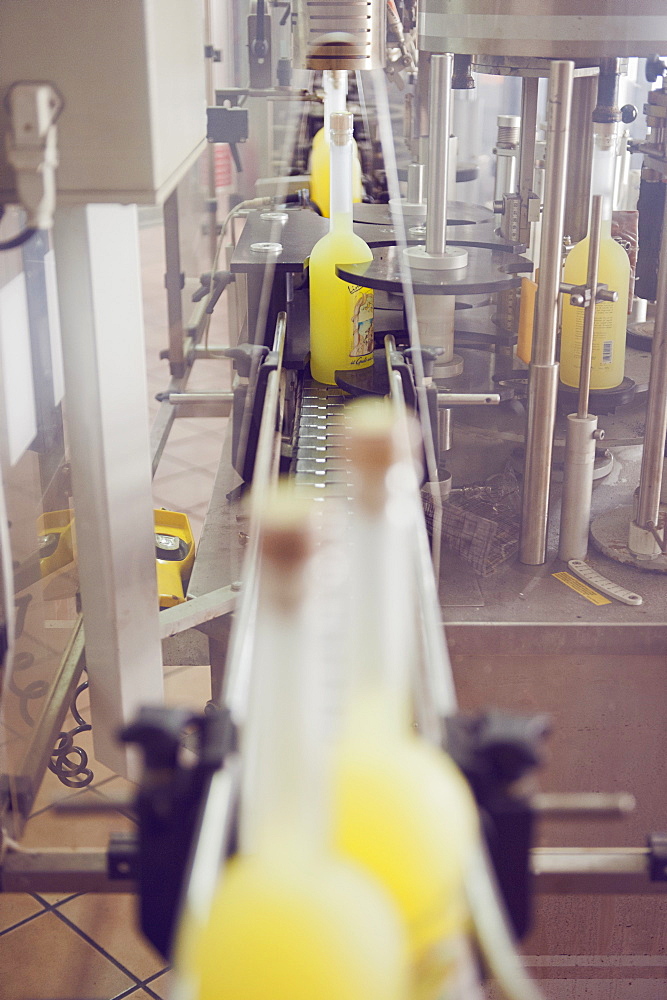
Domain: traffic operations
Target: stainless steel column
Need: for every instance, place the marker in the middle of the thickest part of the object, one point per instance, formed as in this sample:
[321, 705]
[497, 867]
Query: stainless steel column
[438, 149]
[529, 93]
[582, 427]
[543, 382]
[656, 408]
[584, 94]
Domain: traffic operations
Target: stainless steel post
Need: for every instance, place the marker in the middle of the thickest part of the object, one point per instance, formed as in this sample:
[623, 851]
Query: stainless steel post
[582, 427]
[212, 202]
[435, 255]
[543, 382]
[415, 191]
[589, 313]
[584, 95]
[648, 501]
[529, 90]
[438, 152]
[508, 143]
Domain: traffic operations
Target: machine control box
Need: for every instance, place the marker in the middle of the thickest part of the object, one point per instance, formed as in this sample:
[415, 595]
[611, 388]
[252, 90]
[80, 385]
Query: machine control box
[132, 78]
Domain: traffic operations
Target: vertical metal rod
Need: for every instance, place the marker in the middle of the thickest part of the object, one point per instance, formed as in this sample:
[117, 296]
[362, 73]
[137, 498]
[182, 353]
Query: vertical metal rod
[582, 428]
[648, 502]
[543, 383]
[212, 202]
[415, 191]
[438, 153]
[577, 199]
[173, 282]
[589, 311]
[529, 90]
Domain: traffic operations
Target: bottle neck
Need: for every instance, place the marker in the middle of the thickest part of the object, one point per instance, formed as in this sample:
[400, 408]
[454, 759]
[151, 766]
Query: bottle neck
[603, 173]
[335, 95]
[381, 626]
[340, 191]
[283, 786]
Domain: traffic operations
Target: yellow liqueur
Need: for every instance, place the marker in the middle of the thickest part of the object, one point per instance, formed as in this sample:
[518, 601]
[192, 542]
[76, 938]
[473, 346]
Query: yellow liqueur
[403, 810]
[341, 314]
[335, 100]
[609, 330]
[290, 919]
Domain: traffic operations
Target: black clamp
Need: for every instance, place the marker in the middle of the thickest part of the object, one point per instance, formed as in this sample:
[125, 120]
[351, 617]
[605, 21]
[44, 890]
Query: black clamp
[428, 355]
[246, 357]
[657, 843]
[494, 751]
[228, 125]
[655, 68]
[220, 280]
[167, 807]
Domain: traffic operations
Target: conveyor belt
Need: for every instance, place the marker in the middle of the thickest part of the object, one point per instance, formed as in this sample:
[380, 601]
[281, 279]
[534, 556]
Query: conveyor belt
[319, 455]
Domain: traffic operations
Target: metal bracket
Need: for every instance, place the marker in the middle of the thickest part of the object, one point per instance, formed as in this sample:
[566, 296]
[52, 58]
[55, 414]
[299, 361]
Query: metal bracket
[658, 532]
[227, 125]
[580, 295]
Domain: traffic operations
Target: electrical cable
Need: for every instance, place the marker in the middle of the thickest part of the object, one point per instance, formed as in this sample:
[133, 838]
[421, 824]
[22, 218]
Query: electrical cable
[19, 239]
[241, 207]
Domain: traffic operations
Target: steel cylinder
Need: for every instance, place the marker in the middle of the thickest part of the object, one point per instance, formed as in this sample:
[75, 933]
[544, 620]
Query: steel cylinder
[332, 35]
[577, 486]
[552, 29]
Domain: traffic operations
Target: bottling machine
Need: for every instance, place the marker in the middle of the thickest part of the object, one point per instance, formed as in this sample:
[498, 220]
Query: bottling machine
[480, 129]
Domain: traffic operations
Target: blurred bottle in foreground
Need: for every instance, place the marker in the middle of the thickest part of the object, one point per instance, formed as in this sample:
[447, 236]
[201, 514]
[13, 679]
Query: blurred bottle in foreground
[403, 810]
[291, 920]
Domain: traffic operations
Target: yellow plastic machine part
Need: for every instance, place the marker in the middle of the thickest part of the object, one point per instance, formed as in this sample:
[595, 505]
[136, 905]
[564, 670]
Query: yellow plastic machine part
[56, 530]
[173, 570]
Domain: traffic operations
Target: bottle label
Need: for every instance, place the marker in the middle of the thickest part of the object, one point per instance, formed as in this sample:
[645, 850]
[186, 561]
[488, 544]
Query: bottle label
[362, 324]
[603, 348]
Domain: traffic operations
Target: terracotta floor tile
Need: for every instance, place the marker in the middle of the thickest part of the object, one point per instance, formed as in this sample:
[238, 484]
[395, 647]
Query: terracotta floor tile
[197, 449]
[45, 959]
[182, 492]
[111, 920]
[15, 907]
[51, 829]
[170, 465]
[53, 898]
[163, 984]
[188, 688]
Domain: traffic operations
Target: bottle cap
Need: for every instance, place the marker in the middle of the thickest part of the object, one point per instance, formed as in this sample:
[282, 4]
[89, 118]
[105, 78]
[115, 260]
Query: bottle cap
[341, 123]
[372, 448]
[286, 543]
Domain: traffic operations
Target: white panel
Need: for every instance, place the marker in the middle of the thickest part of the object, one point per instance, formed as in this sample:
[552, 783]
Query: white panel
[97, 262]
[131, 73]
[54, 327]
[174, 49]
[17, 384]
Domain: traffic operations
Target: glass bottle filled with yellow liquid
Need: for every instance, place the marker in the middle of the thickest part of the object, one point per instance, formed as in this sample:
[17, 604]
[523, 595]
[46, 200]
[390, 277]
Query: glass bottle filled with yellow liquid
[609, 331]
[341, 314]
[403, 810]
[290, 919]
[334, 82]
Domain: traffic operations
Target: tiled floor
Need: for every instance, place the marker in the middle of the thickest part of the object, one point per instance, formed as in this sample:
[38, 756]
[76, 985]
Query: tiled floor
[88, 946]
